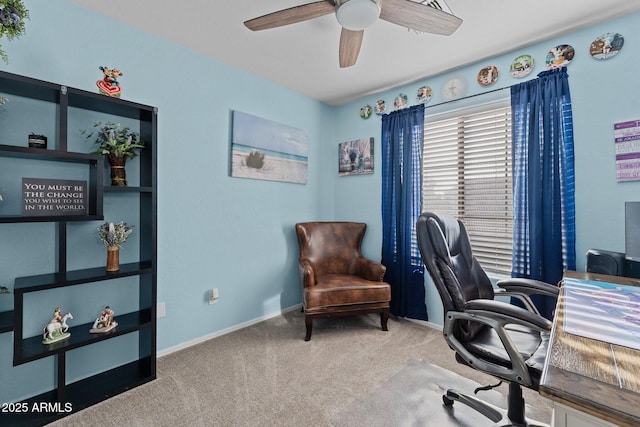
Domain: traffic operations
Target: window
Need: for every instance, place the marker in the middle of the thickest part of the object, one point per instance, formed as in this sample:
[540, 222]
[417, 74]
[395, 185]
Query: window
[467, 173]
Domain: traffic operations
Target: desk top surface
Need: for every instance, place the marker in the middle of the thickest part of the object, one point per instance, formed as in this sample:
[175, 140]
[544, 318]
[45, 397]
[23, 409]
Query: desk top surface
[596, 377]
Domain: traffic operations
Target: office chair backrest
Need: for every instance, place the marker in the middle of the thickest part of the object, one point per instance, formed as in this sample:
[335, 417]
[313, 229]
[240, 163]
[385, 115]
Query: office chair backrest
[457, 275]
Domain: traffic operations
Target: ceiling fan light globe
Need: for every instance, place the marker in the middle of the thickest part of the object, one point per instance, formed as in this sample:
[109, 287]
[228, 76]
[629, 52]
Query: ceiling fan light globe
[356, 15]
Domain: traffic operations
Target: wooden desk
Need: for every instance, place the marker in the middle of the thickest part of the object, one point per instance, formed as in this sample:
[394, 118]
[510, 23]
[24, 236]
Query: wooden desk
[590, 376]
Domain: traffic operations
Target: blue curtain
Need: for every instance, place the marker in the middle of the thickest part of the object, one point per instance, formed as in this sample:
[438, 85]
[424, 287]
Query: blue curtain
[543, 181]
[402, 141]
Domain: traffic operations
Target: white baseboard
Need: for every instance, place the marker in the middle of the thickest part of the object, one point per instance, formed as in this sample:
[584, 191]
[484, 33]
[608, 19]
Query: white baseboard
[251, 322]
[426, 323]
[233, 328]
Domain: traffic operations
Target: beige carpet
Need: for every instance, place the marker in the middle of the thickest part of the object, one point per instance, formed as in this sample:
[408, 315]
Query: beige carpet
[267, 375]
[413, 398]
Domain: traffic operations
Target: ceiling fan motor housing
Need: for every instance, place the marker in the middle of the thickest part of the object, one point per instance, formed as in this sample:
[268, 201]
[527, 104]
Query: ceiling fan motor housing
[356, 15]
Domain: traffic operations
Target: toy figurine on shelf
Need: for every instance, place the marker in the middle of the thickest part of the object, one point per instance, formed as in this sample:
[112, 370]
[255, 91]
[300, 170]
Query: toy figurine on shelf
[105, 322]
[109, 85]
[57, 328]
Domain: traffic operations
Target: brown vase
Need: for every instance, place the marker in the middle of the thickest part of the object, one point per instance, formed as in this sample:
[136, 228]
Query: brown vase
[113, 258]
[118, 172]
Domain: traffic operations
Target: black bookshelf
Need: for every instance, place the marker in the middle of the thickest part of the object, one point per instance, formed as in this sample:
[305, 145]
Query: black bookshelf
[66, 398]
[52, 405]
[6, 321]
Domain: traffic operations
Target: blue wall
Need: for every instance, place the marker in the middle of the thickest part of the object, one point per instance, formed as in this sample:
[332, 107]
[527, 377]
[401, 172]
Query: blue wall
[603, 93]
[237, 234]
[214, 230]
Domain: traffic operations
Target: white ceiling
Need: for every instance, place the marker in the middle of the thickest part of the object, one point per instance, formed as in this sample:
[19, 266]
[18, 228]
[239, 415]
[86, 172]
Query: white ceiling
[304, 56]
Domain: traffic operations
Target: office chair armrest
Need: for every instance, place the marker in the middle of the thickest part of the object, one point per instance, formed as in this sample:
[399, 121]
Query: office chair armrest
[370, 270]
[529, 287]
[506, 311]
[307, 274]
[524, 288]
[496, 315]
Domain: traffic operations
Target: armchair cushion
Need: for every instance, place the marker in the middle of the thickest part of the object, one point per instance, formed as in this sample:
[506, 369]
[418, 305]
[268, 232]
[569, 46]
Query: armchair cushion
[334, 290]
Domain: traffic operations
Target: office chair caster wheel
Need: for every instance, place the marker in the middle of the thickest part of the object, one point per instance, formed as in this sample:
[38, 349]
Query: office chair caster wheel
[447, 401]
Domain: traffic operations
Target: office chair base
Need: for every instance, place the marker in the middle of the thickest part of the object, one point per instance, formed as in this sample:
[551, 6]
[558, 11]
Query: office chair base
[497, 415]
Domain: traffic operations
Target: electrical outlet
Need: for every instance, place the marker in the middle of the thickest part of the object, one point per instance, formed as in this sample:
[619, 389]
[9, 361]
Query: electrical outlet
[213, 296]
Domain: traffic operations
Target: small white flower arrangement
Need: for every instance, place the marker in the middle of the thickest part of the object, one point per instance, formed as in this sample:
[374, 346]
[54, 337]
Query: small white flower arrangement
[114, 234]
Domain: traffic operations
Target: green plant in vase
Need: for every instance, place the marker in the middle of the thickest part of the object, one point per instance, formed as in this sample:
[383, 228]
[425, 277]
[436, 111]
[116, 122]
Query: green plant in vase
[12, 17]
[118, 144]
[112, 236]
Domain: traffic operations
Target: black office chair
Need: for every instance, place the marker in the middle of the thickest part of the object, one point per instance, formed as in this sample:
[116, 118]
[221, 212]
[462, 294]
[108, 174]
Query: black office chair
[491, 336]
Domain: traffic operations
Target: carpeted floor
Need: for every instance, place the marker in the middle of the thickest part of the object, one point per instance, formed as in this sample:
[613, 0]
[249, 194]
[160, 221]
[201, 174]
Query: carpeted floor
[350, 374]
[413, 398]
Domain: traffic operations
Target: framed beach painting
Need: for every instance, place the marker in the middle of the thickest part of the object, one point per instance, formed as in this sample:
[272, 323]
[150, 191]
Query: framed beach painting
[263, 149]
[355, 157]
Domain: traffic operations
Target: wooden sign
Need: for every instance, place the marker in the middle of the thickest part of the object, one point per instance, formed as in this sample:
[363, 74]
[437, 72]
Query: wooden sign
[53, 197]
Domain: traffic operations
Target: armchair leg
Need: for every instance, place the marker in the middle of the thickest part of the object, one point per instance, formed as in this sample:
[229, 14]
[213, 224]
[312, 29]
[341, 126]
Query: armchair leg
[308, 322]
[384, 316]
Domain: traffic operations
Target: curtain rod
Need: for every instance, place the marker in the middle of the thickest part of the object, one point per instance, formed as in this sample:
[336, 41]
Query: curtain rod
[467, 97]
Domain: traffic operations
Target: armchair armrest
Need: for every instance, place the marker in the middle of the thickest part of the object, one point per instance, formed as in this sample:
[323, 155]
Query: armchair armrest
[370, 270]
[496, 315]
[307, 274]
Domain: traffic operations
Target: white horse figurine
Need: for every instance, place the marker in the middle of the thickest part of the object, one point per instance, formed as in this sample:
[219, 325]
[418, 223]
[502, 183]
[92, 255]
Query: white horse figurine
[56, 326]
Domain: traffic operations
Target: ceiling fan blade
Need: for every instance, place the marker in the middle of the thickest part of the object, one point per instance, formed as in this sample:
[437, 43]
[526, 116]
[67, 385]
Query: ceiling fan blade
[291, 15]
[350, 42]
[419, 17]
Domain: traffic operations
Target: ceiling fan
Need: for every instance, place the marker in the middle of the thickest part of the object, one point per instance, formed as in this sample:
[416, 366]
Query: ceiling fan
[356, 15]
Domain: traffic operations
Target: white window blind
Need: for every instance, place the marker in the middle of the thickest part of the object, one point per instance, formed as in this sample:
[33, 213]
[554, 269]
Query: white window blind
[467, 173]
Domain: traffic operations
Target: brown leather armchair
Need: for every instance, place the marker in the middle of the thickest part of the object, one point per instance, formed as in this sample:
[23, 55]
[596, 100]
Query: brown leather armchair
[336, 279]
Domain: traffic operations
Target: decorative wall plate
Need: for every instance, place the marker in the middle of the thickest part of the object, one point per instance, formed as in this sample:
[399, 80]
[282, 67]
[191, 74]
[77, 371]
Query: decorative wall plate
[454, 88]
[487, 76]
[560, 56]
[424, 95]
[522, 66]
[365, 112]
[606, 46]
[381, 106]
[400, 102]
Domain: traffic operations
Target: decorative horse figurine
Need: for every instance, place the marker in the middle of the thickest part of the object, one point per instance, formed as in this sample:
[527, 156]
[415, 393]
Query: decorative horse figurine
[105, 322]
[56, 327]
